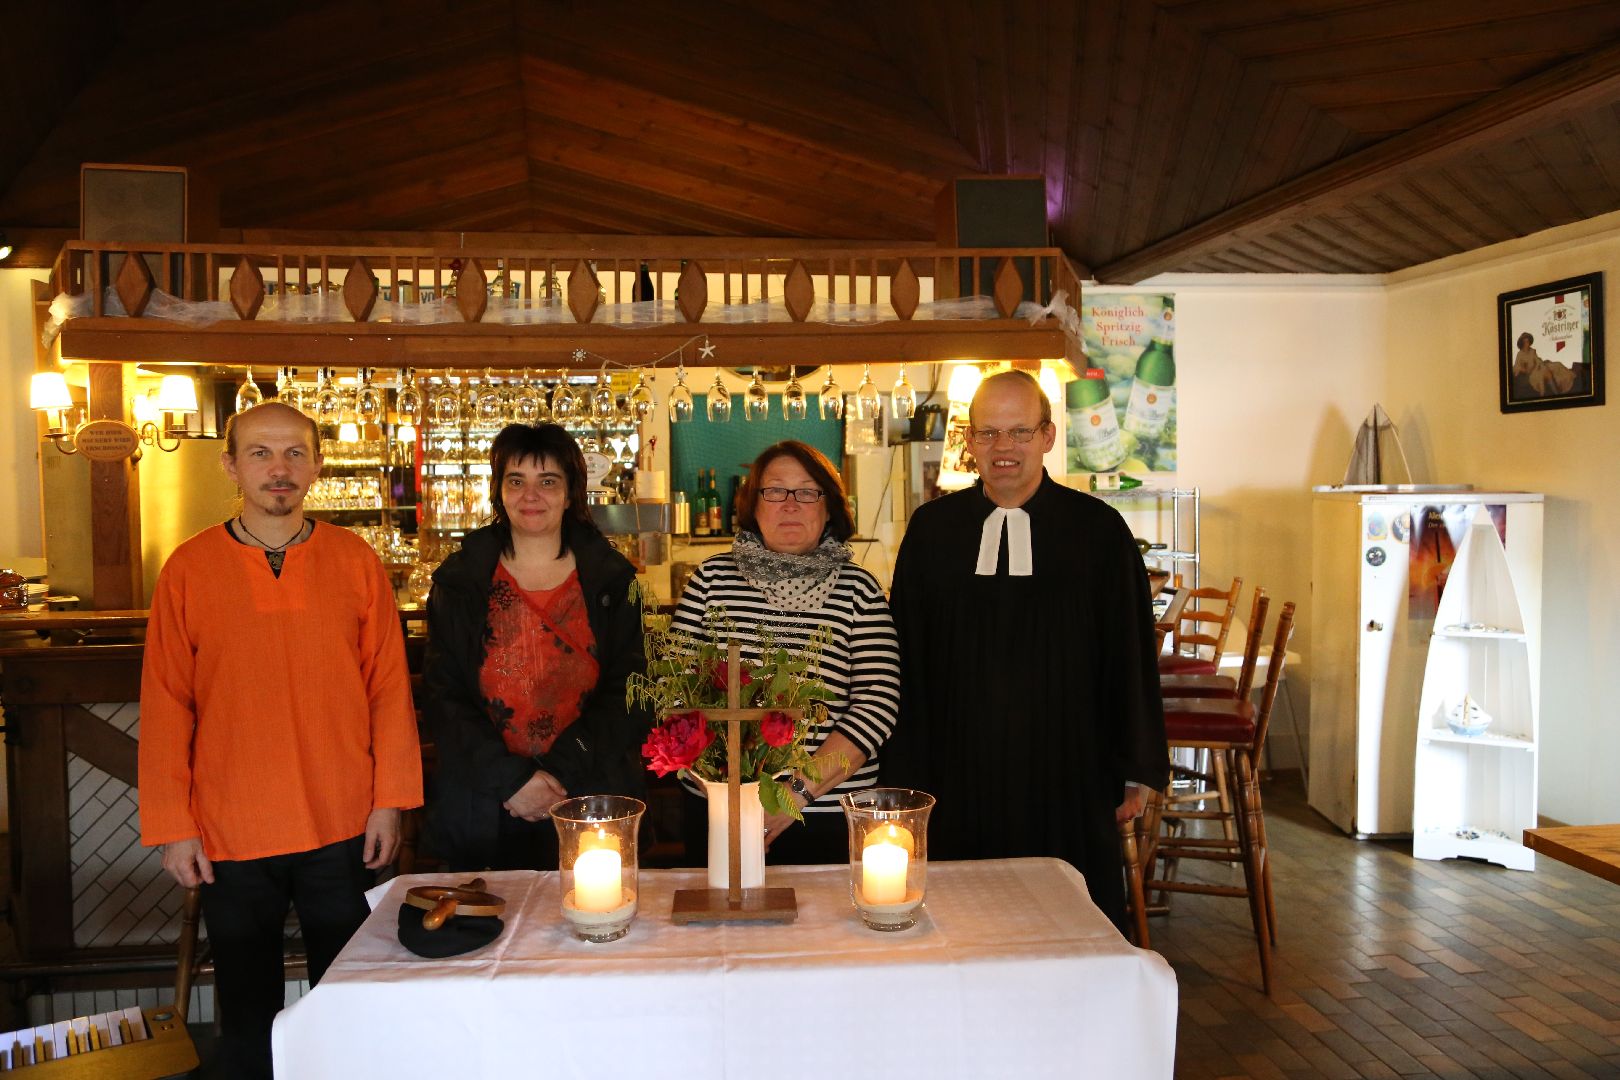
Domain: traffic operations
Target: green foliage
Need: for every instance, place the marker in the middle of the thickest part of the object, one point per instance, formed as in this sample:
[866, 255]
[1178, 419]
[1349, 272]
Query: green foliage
[687, 672]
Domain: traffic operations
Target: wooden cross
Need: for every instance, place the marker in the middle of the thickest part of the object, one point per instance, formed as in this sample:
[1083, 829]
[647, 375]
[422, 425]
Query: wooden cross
[734, 903]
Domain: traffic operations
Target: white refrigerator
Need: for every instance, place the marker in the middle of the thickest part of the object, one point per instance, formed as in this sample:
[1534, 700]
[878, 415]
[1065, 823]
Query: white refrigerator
[1380, 556]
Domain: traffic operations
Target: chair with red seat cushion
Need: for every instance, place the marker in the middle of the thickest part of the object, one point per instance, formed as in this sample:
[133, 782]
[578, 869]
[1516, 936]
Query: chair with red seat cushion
[1200, 633]
[1224, 686]
[1233, 729]
[1209, 775]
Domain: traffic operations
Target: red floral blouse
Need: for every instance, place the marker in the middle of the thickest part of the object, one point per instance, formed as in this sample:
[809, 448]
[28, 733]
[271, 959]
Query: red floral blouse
[539, 662]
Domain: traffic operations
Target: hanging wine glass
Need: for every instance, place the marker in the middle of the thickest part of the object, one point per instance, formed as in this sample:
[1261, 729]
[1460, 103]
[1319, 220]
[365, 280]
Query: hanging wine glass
[288, 391]
[868, 402]
[795, 402]
[756, 400]
[368, 400]
[408, 401]
[328, 398]
[902, 398]
[680, 398]
[832, 398]
[719, 402]
[248, 395]
[526, 401]
[563, 402]
[487, 401]
[604, 404]
[642, 402]
[447, 404]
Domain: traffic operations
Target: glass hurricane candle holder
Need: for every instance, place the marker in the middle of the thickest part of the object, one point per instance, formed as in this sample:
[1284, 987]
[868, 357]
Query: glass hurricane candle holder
[888, 854]
[596, 852]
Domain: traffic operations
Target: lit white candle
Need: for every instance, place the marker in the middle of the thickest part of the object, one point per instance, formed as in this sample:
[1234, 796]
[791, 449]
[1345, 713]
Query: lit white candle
[597, 885]
[883, 873]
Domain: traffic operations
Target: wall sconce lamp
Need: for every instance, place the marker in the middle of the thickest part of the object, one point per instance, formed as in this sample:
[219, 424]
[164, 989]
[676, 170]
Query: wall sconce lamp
[48, 393]
[176, 397]
[5, 246]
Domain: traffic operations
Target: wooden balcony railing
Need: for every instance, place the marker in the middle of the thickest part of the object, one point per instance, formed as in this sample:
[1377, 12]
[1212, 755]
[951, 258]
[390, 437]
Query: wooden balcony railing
[379, 285]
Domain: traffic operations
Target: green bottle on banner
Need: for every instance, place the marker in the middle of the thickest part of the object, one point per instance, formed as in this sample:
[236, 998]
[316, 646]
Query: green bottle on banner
[1093, 440]
[1154, 389]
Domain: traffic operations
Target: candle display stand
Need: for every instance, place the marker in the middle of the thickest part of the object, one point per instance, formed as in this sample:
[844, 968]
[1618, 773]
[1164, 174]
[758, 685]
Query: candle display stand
[734, 903]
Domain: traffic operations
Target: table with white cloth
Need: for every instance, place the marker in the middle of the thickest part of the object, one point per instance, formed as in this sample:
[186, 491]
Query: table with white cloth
[1010, 971]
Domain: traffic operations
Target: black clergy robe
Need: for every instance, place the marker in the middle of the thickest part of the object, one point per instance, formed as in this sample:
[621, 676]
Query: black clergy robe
[1027, 702]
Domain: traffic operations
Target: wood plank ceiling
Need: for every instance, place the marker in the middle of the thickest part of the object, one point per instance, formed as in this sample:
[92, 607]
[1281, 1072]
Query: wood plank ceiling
[1177, 135]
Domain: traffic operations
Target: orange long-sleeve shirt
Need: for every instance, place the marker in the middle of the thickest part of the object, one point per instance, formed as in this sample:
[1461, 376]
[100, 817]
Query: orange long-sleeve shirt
[275, 712]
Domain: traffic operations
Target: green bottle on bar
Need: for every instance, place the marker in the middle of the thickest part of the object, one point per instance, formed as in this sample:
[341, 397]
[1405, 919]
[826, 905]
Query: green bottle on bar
[1093, 439]
[1154, 389]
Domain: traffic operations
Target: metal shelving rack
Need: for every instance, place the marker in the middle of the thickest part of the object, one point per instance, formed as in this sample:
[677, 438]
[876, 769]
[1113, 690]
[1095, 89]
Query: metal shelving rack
[1182, 554]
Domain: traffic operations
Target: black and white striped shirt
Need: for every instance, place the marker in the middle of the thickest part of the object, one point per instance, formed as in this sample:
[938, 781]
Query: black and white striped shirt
[860, 664]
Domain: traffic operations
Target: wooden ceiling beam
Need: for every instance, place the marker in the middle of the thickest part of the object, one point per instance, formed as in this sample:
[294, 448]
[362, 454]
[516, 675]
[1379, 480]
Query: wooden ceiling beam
[1580, 83]
[35, 248]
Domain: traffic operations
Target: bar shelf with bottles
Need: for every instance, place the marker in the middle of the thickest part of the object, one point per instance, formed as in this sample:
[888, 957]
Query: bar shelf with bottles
[465, 414]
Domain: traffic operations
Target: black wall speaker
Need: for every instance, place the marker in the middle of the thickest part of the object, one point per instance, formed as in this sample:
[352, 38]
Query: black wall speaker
[993, 212]
[138, 204]
[134, 204]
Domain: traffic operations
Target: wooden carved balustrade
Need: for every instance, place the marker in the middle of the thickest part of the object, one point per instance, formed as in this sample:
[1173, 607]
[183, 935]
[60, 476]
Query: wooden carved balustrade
[697, 277]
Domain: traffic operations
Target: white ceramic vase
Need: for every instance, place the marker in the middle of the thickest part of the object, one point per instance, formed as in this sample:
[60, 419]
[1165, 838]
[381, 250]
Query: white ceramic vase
[751, 832]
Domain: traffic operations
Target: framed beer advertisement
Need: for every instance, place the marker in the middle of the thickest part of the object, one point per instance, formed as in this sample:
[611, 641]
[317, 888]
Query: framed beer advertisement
[1550, 345]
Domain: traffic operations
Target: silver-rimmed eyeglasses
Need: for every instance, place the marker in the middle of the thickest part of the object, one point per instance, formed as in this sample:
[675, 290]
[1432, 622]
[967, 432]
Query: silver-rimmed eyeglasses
[988, 435]
[778, 494]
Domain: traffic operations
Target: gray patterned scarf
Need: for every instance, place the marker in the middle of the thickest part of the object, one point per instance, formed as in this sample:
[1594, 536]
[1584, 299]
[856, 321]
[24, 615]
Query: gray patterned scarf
[792, 582]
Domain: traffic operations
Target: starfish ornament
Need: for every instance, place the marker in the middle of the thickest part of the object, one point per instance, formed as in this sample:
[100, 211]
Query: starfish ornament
[706, 350]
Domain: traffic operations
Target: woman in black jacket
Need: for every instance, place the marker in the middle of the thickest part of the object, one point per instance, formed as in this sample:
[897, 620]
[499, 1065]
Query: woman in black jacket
[532, 630]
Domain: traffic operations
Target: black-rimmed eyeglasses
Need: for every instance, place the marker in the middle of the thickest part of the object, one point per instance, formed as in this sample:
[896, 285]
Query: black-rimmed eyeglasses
[803, 495]
[986, 435]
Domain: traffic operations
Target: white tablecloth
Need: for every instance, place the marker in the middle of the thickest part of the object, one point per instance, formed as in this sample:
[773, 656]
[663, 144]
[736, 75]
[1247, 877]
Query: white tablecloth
[1010, 971]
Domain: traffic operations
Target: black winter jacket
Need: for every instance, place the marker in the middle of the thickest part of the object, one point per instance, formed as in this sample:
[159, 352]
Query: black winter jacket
[598, 754]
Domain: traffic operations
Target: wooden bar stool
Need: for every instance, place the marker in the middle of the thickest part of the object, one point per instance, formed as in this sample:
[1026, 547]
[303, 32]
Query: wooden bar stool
[1234, 729]
[1216, 783]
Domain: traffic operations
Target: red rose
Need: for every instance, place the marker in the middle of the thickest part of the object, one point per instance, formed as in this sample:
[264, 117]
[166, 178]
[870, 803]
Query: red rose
[776, 729]
[721, 672]
[677, 743]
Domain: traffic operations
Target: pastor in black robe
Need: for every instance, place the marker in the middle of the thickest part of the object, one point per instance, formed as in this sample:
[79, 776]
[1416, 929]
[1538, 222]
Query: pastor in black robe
[1027, 702]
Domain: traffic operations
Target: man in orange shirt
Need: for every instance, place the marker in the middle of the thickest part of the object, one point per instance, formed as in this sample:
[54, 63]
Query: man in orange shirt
[278, 742]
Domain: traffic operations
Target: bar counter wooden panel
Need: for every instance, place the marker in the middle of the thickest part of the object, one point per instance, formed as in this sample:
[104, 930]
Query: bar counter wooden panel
[45, 689]
[1593, 848]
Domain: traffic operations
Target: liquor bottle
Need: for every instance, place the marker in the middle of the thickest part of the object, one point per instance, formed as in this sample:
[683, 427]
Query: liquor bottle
[1094, 442]
[700, 508]
[717, 518]
[708, 508]
[736, 490]
[1154, 389]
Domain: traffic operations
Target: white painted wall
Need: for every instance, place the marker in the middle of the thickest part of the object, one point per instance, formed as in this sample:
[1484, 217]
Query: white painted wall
[1274, 374]
[1441, 379]
[20, 530]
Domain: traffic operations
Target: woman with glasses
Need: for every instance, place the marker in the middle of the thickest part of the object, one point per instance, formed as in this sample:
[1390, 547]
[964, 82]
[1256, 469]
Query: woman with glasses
[790, 573]
[532, 632]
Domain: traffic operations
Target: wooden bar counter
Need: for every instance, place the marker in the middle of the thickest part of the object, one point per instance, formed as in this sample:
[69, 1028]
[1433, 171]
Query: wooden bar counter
[82, 888]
